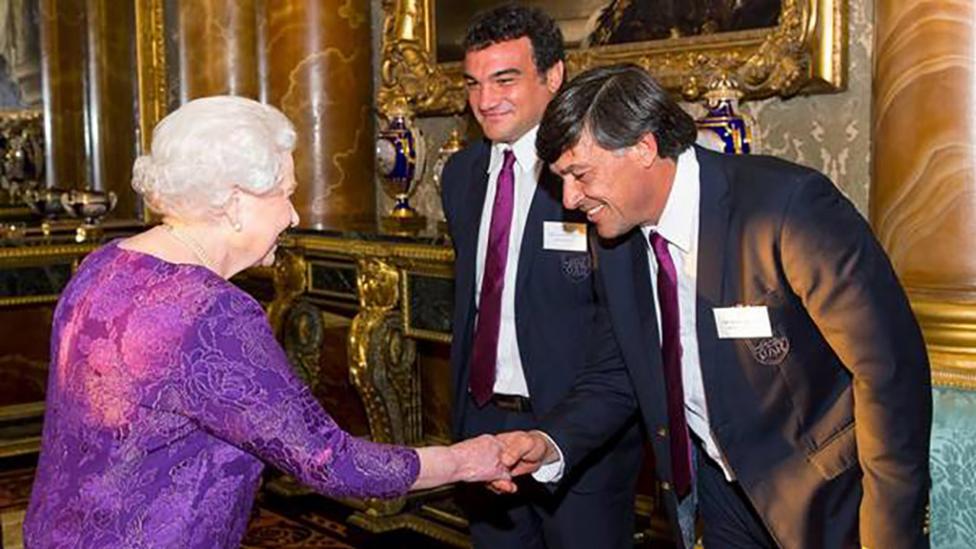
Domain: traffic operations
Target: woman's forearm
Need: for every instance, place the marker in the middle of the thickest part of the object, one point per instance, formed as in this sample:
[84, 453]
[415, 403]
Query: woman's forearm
[474, 460]
[438, 466]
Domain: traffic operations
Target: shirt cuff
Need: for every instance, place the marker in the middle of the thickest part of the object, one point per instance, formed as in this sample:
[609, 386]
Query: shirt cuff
[550, 472]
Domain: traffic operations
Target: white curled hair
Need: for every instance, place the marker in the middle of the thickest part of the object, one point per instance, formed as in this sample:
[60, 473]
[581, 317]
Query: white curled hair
[203, 150]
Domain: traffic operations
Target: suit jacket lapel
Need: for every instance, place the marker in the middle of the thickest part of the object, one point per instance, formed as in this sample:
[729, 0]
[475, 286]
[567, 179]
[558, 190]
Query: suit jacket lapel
[644, 292]
[467, 241]
[714, 240]
[543, 208]
[626, 278]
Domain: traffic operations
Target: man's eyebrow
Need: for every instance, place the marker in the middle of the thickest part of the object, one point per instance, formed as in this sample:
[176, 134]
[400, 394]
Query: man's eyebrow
[506, 72]
[512, 71]
[570, 168]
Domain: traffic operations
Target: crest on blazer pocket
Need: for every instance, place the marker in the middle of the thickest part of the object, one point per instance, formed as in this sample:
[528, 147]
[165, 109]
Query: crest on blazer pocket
[576, 266]
[770, 351]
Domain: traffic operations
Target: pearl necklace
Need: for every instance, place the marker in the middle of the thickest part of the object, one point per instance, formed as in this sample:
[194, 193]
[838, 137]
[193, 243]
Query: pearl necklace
[193, 246]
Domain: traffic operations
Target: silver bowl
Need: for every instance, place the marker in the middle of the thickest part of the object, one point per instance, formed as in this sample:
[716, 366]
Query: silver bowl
[88, 205]
[47, 203]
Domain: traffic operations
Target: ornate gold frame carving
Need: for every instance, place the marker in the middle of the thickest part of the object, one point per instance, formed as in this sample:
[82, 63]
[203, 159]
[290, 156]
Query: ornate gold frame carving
[290, 280]
[151, 62]
[807, 52]
[383, 365]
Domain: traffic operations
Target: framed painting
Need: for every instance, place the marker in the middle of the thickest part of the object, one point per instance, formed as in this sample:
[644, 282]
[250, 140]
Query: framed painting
[764, 47]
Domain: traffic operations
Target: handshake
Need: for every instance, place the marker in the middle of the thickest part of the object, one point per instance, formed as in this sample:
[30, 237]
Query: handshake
[497, 459]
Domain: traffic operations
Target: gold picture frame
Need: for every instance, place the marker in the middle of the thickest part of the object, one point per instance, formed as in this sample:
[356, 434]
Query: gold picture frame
[805, 53]
[151, 63]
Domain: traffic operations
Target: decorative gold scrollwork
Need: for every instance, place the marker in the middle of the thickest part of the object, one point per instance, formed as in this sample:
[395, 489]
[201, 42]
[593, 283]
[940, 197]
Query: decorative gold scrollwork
[409, 80]
[383, 364]
[290, 281]
[303, 337]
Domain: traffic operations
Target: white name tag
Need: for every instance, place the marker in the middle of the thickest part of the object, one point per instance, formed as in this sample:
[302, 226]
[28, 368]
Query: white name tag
[742, 322]
[565, 237]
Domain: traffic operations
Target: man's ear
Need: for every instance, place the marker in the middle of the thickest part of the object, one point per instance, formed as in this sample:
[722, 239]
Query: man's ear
[647, 150]
[555, 76]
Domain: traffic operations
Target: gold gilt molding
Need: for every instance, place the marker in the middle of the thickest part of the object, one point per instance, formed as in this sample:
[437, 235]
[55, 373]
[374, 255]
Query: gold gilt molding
[409, 78]
[806, 52]
[151, 74]
[950, 336]
[383, 365]
[151, 62]
[399, 252]
[40, 256]
[426, 527]
[290, 281]
[304, 331]
[53, 251]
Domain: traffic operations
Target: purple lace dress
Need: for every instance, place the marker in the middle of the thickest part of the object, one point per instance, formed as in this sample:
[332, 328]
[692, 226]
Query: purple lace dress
[167, 390]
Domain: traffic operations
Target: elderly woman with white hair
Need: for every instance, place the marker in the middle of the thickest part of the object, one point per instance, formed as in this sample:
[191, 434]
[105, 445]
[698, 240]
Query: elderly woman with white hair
[167, 390]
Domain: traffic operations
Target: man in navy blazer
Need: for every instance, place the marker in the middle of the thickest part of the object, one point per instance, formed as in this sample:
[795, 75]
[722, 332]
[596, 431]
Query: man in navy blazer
[526, 326]
[803, 380]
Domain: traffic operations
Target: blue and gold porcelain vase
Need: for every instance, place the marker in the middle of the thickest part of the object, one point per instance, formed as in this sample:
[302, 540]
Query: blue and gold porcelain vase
[722, 128]
[399, 162]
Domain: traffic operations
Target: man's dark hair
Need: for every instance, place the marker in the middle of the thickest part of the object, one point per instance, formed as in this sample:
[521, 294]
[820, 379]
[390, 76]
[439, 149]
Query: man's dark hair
[617, 105]
[511, 22]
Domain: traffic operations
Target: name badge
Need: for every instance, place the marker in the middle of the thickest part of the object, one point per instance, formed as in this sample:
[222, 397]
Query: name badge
[565, 237]
[742, 322]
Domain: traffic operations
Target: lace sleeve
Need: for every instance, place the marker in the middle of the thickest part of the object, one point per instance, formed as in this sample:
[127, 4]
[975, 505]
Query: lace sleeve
[234, 380]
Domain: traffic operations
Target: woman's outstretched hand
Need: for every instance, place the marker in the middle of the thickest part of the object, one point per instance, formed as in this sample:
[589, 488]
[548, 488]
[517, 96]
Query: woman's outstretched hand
[480, 459]
[477, 459]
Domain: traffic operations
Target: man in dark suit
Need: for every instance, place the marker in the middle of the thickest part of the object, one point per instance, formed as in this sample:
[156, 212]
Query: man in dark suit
[748, 311]
[524, 297]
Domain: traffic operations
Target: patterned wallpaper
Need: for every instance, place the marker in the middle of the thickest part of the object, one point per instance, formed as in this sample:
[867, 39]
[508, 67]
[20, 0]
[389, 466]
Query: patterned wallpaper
[953, 469]
[828, 132]
[831, 133]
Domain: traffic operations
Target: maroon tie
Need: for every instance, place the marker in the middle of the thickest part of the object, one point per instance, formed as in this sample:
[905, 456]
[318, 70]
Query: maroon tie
[484, 356]
[667, 297]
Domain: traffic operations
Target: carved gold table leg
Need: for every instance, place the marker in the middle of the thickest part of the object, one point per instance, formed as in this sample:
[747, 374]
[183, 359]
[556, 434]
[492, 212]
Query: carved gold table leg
[290, 281]
[383, 364]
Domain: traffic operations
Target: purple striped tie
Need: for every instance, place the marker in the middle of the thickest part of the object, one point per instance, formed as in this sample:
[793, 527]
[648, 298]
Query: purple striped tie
[484, 356]
[667, 297]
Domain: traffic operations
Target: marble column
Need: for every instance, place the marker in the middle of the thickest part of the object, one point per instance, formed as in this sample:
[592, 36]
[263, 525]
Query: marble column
[62, 30]
[318, 65]
[923, 192]
[218, 52]
[111, 105]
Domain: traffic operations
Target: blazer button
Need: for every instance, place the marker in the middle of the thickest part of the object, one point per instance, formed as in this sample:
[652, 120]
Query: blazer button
[662, 432]
[666, 486]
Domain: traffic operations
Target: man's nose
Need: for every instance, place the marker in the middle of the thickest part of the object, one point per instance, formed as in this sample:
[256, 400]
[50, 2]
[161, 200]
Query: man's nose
[488, 98]
[572, 194]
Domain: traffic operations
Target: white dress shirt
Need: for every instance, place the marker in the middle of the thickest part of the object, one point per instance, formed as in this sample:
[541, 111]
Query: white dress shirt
[679, 225]
[509, 376]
